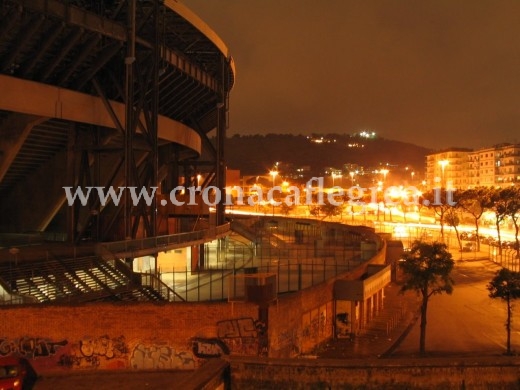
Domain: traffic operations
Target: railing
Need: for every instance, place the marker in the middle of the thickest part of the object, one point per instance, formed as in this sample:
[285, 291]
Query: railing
[507, 257]
[309, 255]
[151, 280]
[394, 321]
[181, 239]
[296, 268]
[20, 239]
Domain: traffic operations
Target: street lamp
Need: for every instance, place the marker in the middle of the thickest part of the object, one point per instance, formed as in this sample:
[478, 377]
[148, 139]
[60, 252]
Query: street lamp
[334, 175]
[273, 174]
[412, 174]
[384, 172]
[351, 173]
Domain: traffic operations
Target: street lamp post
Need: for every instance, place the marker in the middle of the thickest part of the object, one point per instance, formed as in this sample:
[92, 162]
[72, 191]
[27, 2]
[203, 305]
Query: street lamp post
[384, 172]
[334, 175]
[273, 174]
[351, 173]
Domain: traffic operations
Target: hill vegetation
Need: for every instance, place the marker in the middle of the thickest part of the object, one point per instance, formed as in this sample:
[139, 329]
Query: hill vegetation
[256, 154]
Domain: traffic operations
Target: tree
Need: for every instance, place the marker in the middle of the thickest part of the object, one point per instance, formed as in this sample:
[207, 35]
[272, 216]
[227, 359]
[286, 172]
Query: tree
[440, 200]
[506, 285]
[475, 201]
[285, 209]
[426, 270]
[513, 211]
[499, 204]
[331, 210]
[453, 220]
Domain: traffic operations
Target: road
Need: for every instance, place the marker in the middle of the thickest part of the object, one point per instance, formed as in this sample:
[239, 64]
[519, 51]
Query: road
[467, 322]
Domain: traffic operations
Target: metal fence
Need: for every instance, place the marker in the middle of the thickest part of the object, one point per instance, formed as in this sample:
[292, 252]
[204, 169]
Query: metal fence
[507, 257]
[301, 254]
[158, 242]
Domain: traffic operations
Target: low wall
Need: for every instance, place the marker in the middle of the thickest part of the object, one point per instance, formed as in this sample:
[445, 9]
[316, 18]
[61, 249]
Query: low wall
[431, 374]
[168, 336]
[135, 336]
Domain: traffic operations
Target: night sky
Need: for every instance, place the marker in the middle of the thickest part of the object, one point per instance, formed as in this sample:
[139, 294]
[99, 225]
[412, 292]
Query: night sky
[439, 74]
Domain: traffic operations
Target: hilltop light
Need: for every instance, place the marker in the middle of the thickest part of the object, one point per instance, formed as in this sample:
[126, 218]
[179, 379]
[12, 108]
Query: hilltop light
[367, 134]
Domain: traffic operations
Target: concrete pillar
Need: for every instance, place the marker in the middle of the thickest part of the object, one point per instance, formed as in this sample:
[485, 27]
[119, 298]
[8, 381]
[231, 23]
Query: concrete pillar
[361, 314]
[377, 303]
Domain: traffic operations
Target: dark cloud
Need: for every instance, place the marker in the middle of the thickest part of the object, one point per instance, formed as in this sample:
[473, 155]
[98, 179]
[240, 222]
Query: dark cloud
[436, 73]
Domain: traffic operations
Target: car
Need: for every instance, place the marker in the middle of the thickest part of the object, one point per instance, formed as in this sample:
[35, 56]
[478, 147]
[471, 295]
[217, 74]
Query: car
[16, 373]
[488, 240]
[469, 247]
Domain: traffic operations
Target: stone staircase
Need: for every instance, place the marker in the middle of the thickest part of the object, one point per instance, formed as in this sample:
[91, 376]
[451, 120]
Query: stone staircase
[75, 280]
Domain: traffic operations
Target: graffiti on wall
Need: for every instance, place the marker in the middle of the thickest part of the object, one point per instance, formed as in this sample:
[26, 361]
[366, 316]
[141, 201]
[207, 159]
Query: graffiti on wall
[100, 352]
[286, 343]
[239, 336]
[343, 320]
[161, 356]
[106, 353]
[30, 347]
[314, 323]
[237, 328]
[316, 327]
[205, 348]
[244, 336]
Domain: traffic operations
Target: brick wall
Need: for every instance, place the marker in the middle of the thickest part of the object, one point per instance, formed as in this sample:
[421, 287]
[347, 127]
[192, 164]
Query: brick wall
[119, 336]
[442, 374]
[178, 335]
[303, 320]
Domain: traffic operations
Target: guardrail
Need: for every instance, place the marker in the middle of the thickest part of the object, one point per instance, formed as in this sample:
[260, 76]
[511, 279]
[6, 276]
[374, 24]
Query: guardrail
[159, 286]
[181, 239]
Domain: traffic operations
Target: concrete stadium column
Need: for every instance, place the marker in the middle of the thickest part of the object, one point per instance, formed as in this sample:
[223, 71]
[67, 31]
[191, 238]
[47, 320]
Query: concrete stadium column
[354, 318]
[361, 314]
[377, 303]
[367, 311]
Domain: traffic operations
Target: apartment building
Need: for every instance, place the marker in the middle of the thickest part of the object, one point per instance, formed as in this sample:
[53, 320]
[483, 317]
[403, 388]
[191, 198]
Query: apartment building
[447, 168]
[485, 168]
[460, 168]
[507, 163]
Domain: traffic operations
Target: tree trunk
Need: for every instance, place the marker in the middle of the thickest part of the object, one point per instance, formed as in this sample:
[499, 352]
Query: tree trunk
[508, 325]
[517, 241]
[424, 307]
[458, 237]
[441, 221]
[499, 239]
[477, 233]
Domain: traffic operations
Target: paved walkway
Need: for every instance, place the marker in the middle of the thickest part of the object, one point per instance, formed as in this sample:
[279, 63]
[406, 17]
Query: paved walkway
[383, 333]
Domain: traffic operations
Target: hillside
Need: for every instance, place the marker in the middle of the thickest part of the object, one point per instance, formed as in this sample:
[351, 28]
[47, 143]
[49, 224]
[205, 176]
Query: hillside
[256, 154]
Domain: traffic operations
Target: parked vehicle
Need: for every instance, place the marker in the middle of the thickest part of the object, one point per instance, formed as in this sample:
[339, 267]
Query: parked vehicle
[487, 240]
[469, 246]
[469, 236]
[16, 373]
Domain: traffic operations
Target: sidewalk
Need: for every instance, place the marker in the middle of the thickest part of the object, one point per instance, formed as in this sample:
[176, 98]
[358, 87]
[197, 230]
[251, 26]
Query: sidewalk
[383, 333]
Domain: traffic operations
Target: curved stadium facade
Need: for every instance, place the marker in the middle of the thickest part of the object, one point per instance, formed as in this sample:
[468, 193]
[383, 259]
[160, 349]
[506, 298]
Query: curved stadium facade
[106, 94]
[134, 94]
